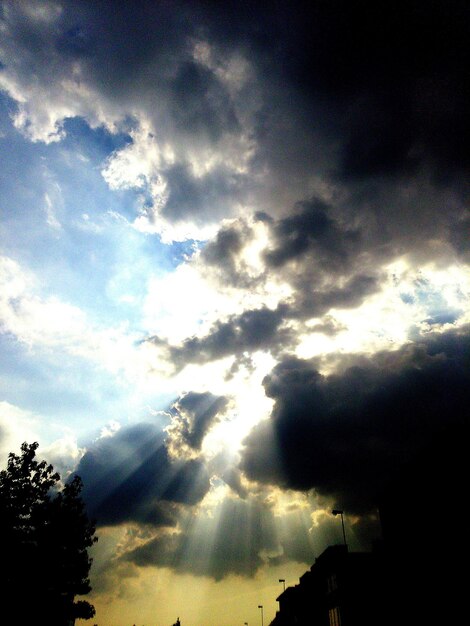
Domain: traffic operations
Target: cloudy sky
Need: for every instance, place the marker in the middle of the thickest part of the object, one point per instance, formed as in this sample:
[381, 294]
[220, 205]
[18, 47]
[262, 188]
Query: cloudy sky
[235, 280]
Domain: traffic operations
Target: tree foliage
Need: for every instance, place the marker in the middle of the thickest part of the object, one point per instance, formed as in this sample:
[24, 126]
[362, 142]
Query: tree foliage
[45, 534]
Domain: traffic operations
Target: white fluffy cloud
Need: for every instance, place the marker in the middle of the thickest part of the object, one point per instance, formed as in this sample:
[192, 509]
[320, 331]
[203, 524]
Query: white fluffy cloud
[16, 426]
[48, 323]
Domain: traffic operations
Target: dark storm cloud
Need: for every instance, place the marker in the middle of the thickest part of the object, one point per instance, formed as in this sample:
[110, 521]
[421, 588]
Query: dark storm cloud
[460, 238]
[311, 303]
[310, 231]
[200, 103]
[395, 77]
[346, 434]
[193, 415]
[380, 99]
[130, 477]
[75, 42]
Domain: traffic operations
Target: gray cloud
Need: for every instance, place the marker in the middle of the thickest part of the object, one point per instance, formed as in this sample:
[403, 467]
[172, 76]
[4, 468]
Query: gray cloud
[459, 238]
[346, 434]
[221, 255]
[322, 261]
[311, 231]
[326, 263]
[202, 197]
[328, 326]
[267, 329]
[241, 361]
[130, 477]
[200, 103]
[309, 302]
[257, 329]
[193, 415]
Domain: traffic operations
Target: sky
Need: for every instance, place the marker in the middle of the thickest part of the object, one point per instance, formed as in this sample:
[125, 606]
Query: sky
[235, 278]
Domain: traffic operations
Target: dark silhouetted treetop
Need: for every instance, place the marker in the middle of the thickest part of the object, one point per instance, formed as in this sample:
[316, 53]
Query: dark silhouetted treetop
[45, 534]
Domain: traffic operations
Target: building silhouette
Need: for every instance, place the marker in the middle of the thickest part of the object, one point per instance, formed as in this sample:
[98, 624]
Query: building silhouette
[341, 588]
[425, 551]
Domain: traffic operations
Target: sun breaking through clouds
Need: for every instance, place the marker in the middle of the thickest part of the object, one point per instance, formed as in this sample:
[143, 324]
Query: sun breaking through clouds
[234, 276]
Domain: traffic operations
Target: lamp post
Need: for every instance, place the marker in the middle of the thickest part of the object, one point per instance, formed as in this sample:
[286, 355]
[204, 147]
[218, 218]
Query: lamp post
[260, 606]
[283, 581]
[340, 512]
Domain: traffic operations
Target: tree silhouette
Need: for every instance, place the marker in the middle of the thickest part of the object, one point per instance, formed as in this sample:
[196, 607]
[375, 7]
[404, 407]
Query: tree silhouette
[44, 536]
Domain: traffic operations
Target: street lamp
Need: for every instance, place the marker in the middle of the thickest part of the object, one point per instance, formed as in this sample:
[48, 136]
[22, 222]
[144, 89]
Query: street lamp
[260, 606]
[283, 581]
[340, 512]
